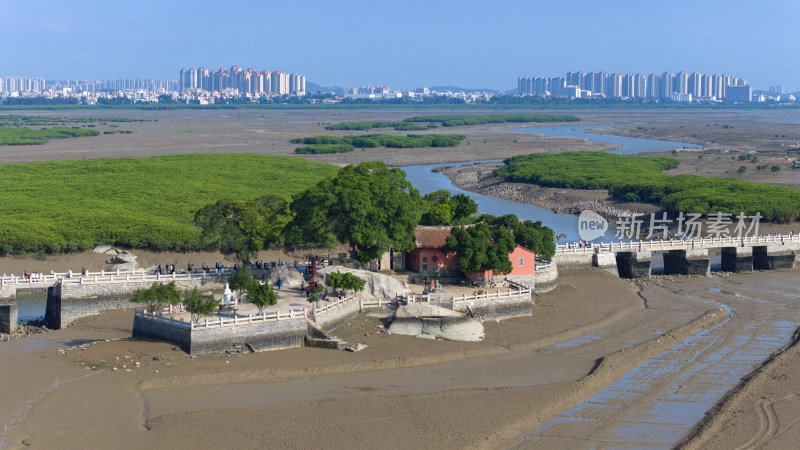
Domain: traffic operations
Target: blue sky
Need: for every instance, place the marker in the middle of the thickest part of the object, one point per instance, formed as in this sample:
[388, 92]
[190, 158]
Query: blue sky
[402, 44]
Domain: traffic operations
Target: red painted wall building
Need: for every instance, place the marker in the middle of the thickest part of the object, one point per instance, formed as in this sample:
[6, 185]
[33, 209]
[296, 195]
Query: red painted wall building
[429, 259]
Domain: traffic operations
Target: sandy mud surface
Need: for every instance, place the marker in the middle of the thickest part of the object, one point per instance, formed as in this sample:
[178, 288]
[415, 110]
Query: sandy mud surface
[584, 337]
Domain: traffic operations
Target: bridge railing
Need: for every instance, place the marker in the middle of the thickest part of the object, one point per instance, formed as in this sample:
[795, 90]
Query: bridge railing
[117, 276]
[575, 247]
[466, 298]
[223, 321]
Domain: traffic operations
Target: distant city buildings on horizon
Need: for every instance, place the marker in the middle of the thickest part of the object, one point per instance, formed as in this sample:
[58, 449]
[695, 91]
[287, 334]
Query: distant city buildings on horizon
[11, 85]
[678, 87]
[236, 80]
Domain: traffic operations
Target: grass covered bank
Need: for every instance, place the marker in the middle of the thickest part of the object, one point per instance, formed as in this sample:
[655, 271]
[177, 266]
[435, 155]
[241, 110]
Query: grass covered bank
[145, 202]
[640, 179]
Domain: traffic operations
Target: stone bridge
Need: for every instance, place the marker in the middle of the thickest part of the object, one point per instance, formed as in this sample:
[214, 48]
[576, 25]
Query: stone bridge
[684, 256]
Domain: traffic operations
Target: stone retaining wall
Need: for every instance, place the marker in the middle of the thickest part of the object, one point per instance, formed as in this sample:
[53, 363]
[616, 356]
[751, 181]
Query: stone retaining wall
[337, 315]
[497, 309]
[68, 302]
[161, 331]
[259, 336]
[256, 336]
[546, 278]
[8, 318]
[574, 260]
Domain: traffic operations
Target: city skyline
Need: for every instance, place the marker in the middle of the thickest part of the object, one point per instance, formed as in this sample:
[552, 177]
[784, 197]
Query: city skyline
[404, 45]
[681, 86]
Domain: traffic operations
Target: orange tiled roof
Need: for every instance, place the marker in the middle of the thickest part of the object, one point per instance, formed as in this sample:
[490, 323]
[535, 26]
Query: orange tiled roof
[431, 237]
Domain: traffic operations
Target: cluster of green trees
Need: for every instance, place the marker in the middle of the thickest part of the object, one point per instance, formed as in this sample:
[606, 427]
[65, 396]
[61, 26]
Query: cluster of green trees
[384, 140]
[18, 120]
[368, 125]
[462, 120]
[486, 245]
[640, 179]
[444, 209]
[260, 295]
[159, 295]
[409, 124]
[316, 149]
[27, 136]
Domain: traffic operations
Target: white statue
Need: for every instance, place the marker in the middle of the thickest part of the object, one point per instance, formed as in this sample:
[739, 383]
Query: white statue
[227, 296]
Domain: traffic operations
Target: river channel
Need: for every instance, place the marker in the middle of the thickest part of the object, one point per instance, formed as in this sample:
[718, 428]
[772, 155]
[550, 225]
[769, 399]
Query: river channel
[427, 181]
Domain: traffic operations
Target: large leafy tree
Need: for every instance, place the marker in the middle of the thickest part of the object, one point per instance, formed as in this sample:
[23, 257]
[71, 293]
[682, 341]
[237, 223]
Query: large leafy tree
[372, 207]
[481, 247]
[445, 210]
[531, 235]
[243, 227]
[157, 296]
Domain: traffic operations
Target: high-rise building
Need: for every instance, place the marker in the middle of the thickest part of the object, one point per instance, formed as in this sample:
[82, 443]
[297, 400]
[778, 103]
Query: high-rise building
[695, 84]
[653, 85]
[681, 83]
[718, 87]
[297, 84]
[599, 82]
[639, 86]
[628, 86]
[665, 88]
[280, 83]
[706, 88]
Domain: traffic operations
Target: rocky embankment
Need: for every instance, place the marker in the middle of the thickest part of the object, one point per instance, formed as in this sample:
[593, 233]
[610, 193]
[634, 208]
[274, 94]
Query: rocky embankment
[478, 178]
[30, 328]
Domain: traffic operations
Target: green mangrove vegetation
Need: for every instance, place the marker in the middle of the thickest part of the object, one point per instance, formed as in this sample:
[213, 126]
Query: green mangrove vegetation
[463, 120]
[410, 124]
[66, 206]
[381, 140]
[18, 120]
[315, 149]
[27, 136]
[368, 125]
[640, 179]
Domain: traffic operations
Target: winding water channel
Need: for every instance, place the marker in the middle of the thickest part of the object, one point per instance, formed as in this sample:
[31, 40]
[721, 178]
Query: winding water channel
[426, 181]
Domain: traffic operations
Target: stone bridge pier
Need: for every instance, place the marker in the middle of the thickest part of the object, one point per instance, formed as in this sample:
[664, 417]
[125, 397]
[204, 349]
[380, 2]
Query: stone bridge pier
[774, 257]
[634, 264]
[8, 309]
[687, 262]
[737, 259]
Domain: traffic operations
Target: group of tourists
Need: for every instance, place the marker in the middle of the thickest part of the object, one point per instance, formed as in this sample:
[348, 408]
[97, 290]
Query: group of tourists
[218, 268]
[580, 244]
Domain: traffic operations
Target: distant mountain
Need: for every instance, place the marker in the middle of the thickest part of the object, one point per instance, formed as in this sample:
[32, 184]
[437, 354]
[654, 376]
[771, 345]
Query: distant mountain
[314, 87]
